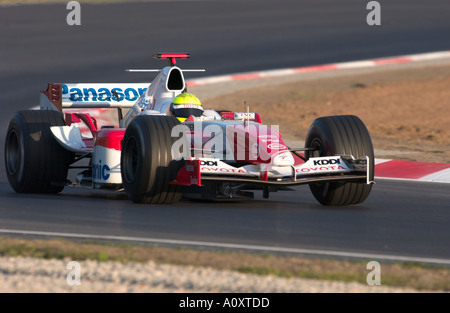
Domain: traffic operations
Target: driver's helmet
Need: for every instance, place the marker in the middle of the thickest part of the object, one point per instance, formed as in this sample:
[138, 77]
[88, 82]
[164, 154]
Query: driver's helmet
[185, 105]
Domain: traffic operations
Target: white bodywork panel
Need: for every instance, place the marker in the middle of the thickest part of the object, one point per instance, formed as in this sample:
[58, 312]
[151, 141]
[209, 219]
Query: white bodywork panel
[106, 166]
[70, 138]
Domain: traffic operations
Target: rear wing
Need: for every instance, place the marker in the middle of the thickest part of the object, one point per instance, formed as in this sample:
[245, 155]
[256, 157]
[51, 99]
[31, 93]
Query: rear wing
[92, 95]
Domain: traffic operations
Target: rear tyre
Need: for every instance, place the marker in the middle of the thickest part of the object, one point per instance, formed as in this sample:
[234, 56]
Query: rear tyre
[35, 162]
[147, 164]
[345, 134]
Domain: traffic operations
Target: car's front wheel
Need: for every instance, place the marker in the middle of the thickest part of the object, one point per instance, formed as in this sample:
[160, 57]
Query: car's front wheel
[345, 135]
[34, 161]
[147, 164]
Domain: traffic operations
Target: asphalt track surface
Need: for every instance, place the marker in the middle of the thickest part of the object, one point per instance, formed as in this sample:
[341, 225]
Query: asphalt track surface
[37, 46]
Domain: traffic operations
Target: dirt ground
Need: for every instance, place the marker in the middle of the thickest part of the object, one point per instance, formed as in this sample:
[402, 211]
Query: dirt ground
[407, 111]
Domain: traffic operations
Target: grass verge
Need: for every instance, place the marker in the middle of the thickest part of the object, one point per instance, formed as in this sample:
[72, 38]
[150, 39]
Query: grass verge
[410, 275]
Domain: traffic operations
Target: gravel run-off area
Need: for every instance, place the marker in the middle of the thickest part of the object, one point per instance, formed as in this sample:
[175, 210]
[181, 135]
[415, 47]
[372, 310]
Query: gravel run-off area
[18, 274]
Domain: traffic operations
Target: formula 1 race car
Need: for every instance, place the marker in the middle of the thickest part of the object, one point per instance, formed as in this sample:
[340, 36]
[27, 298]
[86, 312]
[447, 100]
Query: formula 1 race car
[155, 158]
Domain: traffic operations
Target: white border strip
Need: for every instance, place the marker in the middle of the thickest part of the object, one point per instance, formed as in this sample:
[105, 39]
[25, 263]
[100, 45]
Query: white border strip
[367, 256]
[442, 176]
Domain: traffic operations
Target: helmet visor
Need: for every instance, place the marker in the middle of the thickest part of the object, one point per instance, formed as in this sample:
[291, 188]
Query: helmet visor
[186, 110]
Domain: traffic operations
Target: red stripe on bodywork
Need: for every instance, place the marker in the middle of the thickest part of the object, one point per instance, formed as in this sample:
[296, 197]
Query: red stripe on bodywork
[298, 160]
[408, 169]
[110, 139]
[189, 174]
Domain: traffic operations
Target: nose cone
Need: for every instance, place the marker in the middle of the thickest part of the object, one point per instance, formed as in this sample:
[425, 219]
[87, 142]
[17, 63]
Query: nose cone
[284, 158]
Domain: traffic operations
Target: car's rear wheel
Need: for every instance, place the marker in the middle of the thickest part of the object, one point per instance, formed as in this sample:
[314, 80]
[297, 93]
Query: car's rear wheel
[147, 163]
[34, 161]
[347, 135]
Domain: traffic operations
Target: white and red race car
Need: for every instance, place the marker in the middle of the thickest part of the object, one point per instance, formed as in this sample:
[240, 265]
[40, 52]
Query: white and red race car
[156, 159]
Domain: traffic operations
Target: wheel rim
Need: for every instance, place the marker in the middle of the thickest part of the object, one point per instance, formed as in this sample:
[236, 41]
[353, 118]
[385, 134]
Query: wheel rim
[130, 160]
[13, 153]
[318, 149]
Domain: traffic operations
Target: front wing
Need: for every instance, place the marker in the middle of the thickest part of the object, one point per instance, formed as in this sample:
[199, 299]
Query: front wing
[320, 169]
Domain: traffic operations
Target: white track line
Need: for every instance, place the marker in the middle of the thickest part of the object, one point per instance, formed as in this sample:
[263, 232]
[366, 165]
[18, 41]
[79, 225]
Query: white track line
[367, 256]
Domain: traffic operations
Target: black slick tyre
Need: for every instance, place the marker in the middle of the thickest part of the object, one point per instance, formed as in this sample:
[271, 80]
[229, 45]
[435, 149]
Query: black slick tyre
[344, 134]
[35, 162]
[147, 164]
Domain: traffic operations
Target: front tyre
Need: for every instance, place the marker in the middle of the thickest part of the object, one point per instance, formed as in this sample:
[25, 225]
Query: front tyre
[34, 161]
[345, 134]
[147, 164]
